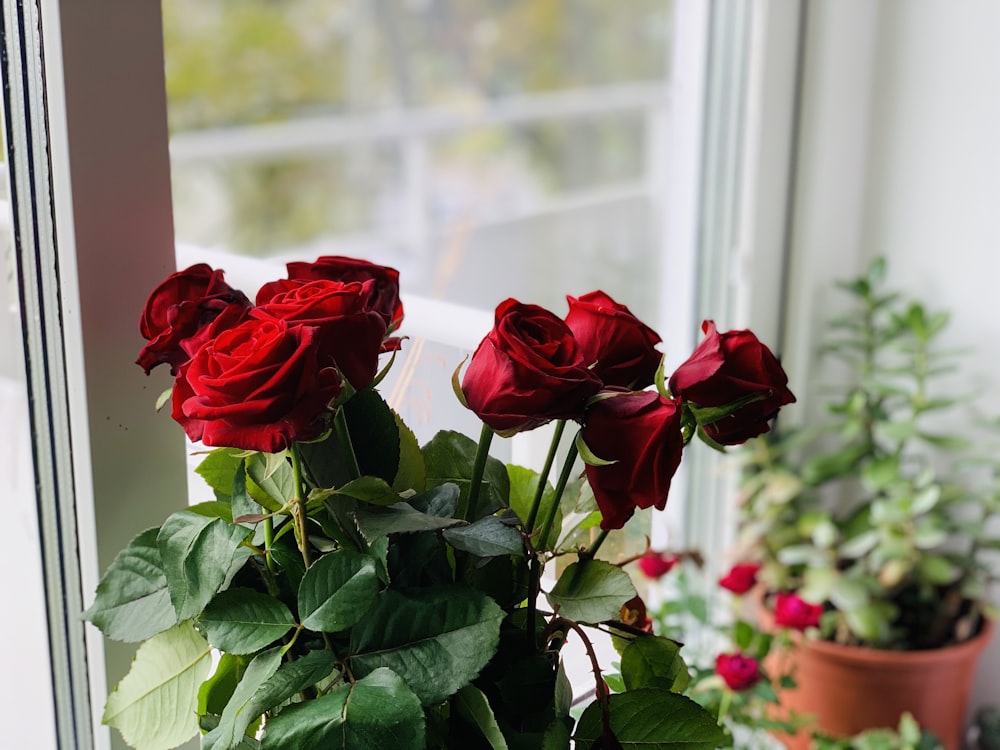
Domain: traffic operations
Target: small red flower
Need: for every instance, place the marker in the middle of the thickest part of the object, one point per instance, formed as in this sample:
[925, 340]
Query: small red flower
[657, 564]
[791, 611]
[740, 672]
[740, 578]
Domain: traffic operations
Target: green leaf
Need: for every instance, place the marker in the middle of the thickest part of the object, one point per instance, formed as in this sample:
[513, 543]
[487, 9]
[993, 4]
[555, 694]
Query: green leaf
[155, 704]
[378, 711]
[743, 634]
[242, 621]
[652, 719]
[199, 555]
[523, 485]
[937, 569]
[401, 518]
[557, 736]
[471, 704]
[651, 661]
[218, 469]
[374, 435]
[591, 591]
[436, 638]
[370, 490]
[132, 602]
[269, 483]
[450, 457]
[487, 537]
[337, 590]
[412, 473]
[264, 686]
[214, 509]
[243, 504]
[215, 692]
[847, 593]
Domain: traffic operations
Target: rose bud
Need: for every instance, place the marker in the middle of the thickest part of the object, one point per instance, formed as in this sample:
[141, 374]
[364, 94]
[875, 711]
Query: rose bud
[179, 308]
[383, 293]
[619, 347]
[741, 577]
[640, 432]
[728, 368]
[258, 386]
[740, 672]
[657, 564]
[348, 331]
[634, 614]
[791, 611]
[527, 371]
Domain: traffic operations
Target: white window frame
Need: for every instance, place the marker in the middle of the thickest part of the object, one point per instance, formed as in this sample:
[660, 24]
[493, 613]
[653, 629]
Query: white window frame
[110, 240]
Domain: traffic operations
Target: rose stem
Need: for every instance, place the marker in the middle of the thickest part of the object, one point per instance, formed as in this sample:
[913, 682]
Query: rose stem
[299, 513]
[344, 438]
[268, 543]
[588, 554]
[482, 453]
[727, 698]
[560, 487]
[543, 477]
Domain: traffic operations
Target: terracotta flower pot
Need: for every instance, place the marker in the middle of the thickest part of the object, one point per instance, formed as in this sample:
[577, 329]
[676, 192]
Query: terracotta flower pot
[849, 689]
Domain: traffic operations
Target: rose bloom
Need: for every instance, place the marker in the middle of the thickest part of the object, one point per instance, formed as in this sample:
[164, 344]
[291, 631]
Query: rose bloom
[740, 672]
[527, 371]
[657, 564]
[619, 346]
[383, 293]
[641, 432]
[791, 611]
[725, 368]
[179, 308]
[740, 578]
[348, 331]
[257, 386]
[634, 614]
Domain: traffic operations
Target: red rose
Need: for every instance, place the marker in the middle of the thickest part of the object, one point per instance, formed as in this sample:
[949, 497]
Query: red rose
[791, 611]
[634, 614]
[527, 371]
[383, 294]
[620, 347]
[726, 368]
[740, 578]
[740, 672]
[657, 564]
[257, 387]
[641, 432]
[179, 308]
[348, 331]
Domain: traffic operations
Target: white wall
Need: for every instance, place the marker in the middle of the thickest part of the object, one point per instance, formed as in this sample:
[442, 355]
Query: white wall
[900, 156]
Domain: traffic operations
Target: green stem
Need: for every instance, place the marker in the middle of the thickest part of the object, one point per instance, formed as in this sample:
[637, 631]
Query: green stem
[478, 468]
[567, 469]
[299, 511]
[344, 438]
[591, 551]
[727, 699]
[268, 543]
[543, 477]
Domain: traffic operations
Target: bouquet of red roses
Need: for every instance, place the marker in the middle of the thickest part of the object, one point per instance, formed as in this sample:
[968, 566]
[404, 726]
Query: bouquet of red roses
[360, 590]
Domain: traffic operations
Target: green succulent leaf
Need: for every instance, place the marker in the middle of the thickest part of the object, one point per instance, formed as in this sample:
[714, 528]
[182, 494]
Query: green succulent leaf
[591, 591]
[155, 704]
[132, 602]
[242, 621]
[436, 638]
[378, 711]
[652, 719]
[337, 590]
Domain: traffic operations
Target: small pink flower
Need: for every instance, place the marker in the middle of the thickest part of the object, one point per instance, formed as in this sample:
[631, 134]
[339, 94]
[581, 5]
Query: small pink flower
[739, 671]
[791, 611]
[740, 578]
[657, 564]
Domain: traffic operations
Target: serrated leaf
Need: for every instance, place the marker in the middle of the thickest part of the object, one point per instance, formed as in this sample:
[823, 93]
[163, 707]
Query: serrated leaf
[471, 704]
[242, 621]
[487, 537]
[436, 638]
[215, 692]
[271, 484]
[412, 472]
[372, 490]
[337, 590]
[155, 704]
[199, 555]
[243, 505]
[218, 469]
[266, 684]
[378, 711]
[450, 456]
[652, 719]
[132, 601]
[523, 486]
[591, 591]
[651, 661]
[401, 518]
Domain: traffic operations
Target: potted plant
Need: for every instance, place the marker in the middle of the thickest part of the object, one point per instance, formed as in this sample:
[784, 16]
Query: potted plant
[871, 529]
[359, 590]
